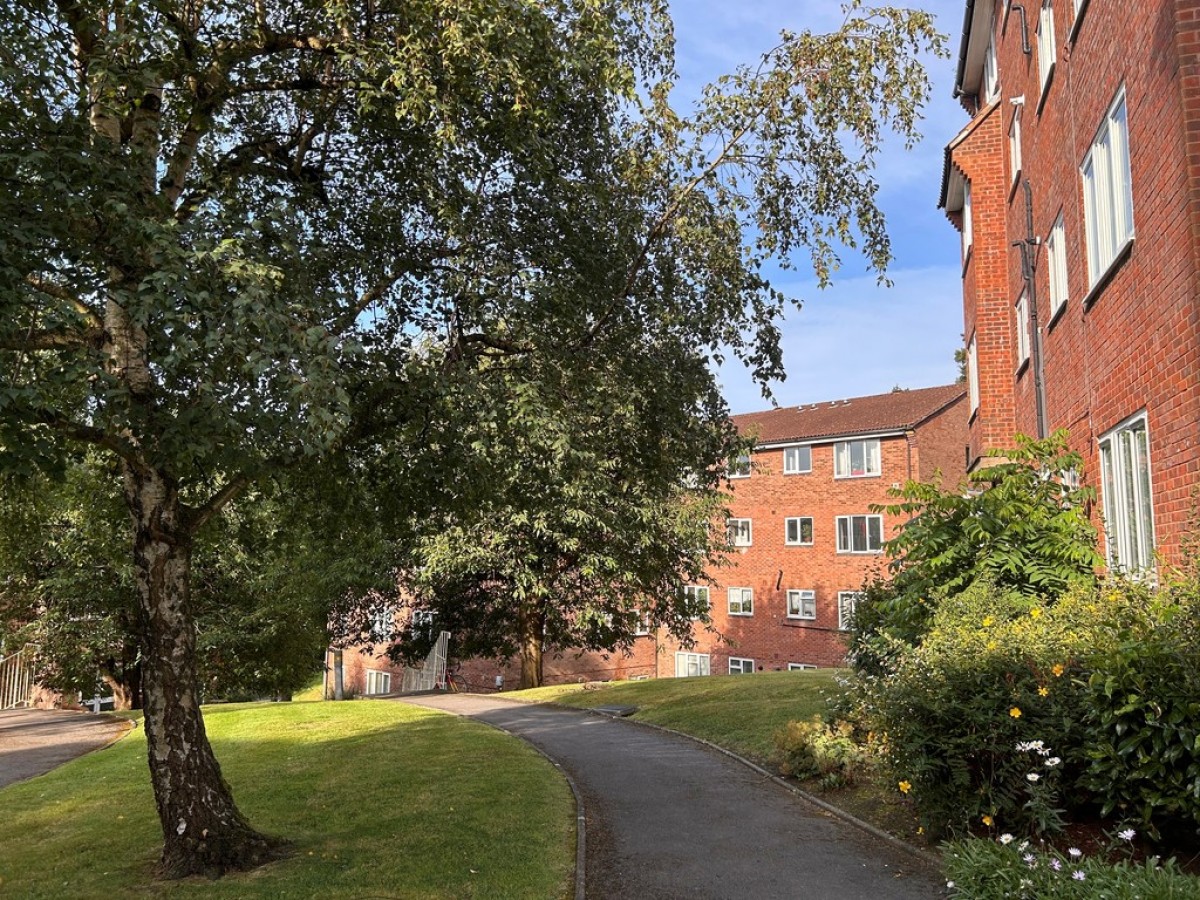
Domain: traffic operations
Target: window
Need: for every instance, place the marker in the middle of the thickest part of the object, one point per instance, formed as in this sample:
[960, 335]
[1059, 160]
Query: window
[642, 628]
[1045, 44]
[799, 667]
[1021, 312]
[741, 602]
[382, 623]
[739, 532]
[696, 598]
[798, 531]
[422, 622]
[1128, 512]
[689, 665]
[797, 460]
[860, 534]
[378, 682]
[856, 459]
[1108, 192]
[740, 467]
[1014, 143]
[740, 666]
[801, 605]
[973, 373]
[1056, 251]
[991, 74]
[847, 601]
[968, 232]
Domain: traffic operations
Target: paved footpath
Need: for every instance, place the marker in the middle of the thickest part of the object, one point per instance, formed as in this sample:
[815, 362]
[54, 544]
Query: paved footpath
[34, 741]
[670, 818]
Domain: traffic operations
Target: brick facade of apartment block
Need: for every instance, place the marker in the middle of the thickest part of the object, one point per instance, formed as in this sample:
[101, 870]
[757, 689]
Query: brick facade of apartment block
[1099, 178]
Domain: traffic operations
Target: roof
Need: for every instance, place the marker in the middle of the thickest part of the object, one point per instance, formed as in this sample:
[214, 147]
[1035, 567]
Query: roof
[878, 413]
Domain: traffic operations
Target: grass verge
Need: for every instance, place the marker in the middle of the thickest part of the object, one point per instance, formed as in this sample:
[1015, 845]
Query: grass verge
[380, 800]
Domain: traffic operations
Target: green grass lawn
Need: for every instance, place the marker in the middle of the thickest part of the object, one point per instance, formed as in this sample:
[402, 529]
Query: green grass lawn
[380, 800]
[738, 712]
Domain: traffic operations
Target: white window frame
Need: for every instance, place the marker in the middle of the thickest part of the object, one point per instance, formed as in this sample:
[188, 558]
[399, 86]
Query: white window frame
[693, 594]
[1056, 253]
[801, 667]
[741, 664]
[973, 373]
[1021, 315]
[792, 466]
[991, 71]
[1128, 497]
[1046, 49]
[1108, 191]
[376, 679]
[739, 467]
[642, 627]
[849, 520]
[1014, 143]
[799, 542]
[843, 459]
[702, 663]
[740, 532]
[383, 623]
[744, 601]
[802, 605]
[968, 228]
[847, 599]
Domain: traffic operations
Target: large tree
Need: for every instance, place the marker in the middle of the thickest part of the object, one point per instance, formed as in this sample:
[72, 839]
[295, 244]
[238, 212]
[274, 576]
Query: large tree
[227, 230]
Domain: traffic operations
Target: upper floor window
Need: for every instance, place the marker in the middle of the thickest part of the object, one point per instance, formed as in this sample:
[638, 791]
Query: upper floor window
[991, 72]
[801, 605]
[856, 459]
[1014, 144]
[798, 530]
[696, 598]
[1047, 53]
[1108, 191]
[1056, 251]
[741, 601]
[1128, 512]
[973, 373]
[739, 532]
[1021, 312]
[859, 534]
[797, 460]
[847, 602]
[740, 467]
[968, 234]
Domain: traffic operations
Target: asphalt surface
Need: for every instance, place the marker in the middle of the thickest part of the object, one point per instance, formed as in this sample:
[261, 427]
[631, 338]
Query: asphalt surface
[34, 741]
[669, 818]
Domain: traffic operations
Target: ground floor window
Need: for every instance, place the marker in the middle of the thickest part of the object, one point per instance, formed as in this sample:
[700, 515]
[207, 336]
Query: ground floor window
[688, 665]
[799, 667]
[378, 682]
[1128, 512]
[739, 666]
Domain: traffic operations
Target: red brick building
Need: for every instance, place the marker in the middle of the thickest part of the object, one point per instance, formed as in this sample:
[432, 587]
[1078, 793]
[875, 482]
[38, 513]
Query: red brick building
[1076, 189]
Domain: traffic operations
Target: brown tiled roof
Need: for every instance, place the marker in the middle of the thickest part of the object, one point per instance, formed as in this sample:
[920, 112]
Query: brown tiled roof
[895, 411]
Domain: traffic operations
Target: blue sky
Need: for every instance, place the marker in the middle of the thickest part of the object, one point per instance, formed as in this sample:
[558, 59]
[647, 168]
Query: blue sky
[853, 338]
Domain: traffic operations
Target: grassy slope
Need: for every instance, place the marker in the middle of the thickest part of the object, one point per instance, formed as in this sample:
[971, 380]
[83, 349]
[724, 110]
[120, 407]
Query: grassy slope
[739, 712]
[380, 800]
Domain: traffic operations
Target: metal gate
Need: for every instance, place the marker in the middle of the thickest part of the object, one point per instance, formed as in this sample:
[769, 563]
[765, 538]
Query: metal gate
[16, 680]
[431, 675]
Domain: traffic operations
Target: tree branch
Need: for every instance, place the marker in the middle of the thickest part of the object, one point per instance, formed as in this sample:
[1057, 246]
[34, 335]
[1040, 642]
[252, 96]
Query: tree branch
[60, 292]
[199, 517]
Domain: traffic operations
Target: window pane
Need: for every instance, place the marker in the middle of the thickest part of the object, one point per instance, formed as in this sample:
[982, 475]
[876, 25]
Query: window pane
[860, 533]
[842, 459]
[858, 462]
[843, 533]
[806, 536]
[875, 524]
[1122, 182]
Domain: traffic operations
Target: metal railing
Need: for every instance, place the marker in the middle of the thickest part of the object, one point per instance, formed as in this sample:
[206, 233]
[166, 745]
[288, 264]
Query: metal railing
[432, 674]
[16, 680]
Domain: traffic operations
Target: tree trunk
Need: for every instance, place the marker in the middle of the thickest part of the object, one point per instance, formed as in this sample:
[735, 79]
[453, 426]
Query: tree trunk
[533, 626]
[203, 831]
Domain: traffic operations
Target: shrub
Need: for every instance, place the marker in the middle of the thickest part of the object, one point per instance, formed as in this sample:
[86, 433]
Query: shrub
[1143, 699]
[1008, 869]
[815, 749]
[993, 672]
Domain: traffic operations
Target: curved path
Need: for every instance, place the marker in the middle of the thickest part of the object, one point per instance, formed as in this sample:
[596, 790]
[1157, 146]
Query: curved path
[670, 818]
[34, 741]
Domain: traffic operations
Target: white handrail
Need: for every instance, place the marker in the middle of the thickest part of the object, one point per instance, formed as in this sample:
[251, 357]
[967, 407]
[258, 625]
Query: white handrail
[16, 680]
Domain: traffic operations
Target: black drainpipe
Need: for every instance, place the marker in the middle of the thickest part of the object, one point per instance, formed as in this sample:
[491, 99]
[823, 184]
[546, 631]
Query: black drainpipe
[1028, 249]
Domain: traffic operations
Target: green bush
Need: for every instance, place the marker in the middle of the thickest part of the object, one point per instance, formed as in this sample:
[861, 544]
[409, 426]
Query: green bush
[994, 672]
[827, 752]
[1143, 701]
[1009, 869]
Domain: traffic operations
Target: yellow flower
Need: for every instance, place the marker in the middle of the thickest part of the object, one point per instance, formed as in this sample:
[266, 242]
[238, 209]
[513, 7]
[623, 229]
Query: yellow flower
[987, 820]
[987, 621]
[1015, 712]
[1043, 692]
[1036, 612]
[1058, 669]
[905, 787]
[920, 829]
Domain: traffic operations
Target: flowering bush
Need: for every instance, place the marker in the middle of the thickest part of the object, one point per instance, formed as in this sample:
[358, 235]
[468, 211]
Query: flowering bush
[814, 749]
[993, 672]
[1007, 869]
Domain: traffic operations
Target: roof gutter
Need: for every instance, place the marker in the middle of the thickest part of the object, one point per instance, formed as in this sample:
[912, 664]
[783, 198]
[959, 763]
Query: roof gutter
[968, 15]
